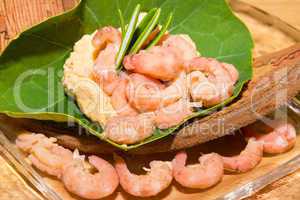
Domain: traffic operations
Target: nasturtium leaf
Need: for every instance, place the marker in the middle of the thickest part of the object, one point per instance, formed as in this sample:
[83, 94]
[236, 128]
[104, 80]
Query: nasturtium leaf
[31, 66]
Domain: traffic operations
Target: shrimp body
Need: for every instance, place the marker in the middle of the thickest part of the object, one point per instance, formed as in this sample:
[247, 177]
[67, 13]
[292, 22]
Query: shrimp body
[143, 92]
[130, 129]
[107, 42]
[158, 178]
[173, 114]
[199, 176]
[248, 158]
[78, 180]
[120, 102]
[158, 62]
[220, 80]
[104, 72]
[44, 153]
[279, 140]
[105, 36]
[184, 44]
[50, 160]
[25, 142]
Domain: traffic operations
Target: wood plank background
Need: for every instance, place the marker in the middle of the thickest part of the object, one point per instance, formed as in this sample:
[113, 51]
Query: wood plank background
[17, 15]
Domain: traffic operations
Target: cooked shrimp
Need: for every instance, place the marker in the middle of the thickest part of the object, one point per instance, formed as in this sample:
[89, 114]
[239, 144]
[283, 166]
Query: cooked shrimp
[143, 92]
[44, 153]
[199, 176]
[218, 78]
[25, 142]
[129, 129]
[176, 90]
[146, 94]
[173, 114]
[50, 160]
[248, 158]
[279, 140]
[119, 100]
[158, 62]
[80, 181]
[201, 89]
[232, 71]
[105, 36]
[104, 72]
[107, 40]
[158, 178]
[184, 44]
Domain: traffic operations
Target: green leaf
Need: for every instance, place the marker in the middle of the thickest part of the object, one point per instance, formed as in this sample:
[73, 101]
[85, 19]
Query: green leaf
[31, 66]
[162, 32]
[127, 37]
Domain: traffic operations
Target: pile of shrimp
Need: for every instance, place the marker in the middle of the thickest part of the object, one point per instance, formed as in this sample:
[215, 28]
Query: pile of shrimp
[159, 87]
[96, 178]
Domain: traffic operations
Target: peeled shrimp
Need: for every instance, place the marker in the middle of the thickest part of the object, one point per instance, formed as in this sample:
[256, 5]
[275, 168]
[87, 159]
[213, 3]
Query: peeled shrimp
[50, 160]
[158, 62]
[220, 80]
[158, 178]
[146, 94]
[173, 114]
[143, 92]
[279, 140]
[120, 102]
[105, 36]
[44, 153]
[184, 44]
[104, 73]
[248, 158]
[25, 142]
[199, 176]
[78, 180]
[129, 129]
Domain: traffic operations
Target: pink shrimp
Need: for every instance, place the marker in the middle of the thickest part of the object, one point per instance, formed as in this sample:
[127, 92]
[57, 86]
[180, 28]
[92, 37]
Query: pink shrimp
[25, 142]
[218, 78]
[158, 178]
[143, 92]
[278, 140]
[146, 94]
[248, 158]
[105, 36]
[173, 114]
[50, 160]
[78, 180]
[44, 153]
[129, 129]
[184, 44]
[158, 62]
[119, 100]
[199, 176]
[104, 72]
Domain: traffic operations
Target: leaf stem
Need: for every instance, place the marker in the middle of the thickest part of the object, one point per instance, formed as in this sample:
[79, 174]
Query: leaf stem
[162, 32]
[127, 37]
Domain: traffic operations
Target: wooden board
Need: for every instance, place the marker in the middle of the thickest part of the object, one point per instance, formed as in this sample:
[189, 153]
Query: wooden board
[16, 15]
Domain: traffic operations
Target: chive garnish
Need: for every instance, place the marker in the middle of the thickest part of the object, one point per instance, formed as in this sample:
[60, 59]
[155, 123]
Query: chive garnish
[122, 22]
[146, 32]
[145, 21]
[127, 37]
[162, 32]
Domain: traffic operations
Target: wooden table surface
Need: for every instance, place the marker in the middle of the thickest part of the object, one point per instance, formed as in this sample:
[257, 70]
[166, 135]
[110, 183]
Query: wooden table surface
[17, 15]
